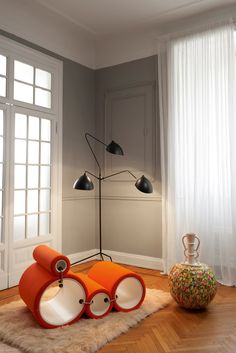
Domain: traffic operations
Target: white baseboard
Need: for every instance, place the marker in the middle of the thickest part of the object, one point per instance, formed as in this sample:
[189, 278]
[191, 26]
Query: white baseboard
[123, 258]
[81, 255]
[136, 260]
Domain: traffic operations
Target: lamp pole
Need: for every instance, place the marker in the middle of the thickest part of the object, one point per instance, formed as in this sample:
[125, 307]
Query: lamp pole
[100, 212]
[99, 193]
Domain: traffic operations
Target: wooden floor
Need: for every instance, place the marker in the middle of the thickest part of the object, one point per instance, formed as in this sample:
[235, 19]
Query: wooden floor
[173, 330]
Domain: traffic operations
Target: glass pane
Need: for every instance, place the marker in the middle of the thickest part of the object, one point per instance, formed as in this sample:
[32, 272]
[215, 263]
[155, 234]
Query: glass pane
[42, 98]
[45, 153]
[33, 177]
[1, 169]
[1, 122]
[20, 125]
[3, 65]
[19, 228]
[43, 78]
[45, 177]
[33, 152]
[44, 200]
[45, 130]
[19, 202]
[23, 72]
[20, 177]
[32, 226]
[1, 149]
[33, 128]
[0, 203]
[20, 151]
[23, 93]
[44, 224]
[32, 201]
[2, 87]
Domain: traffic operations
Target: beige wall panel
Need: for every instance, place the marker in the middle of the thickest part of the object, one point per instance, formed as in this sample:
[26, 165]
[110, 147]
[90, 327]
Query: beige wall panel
[132, 226]
[78, 226]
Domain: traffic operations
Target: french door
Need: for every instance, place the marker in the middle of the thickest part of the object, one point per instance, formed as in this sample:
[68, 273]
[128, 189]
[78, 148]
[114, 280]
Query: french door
[30, 154]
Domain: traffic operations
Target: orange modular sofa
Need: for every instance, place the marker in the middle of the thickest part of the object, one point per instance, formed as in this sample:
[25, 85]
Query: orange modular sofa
[57, 297]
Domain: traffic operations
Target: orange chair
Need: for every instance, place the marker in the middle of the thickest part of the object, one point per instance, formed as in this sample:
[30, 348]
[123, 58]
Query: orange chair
[98, 303]
[126, 288]
[54, 301]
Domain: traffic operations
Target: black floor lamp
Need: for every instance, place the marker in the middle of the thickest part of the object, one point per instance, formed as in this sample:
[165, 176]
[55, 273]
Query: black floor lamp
[85, 183]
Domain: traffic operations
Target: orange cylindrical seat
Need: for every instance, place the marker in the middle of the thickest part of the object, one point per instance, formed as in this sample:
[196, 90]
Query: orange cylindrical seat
[98, 303]
[51, 305]
[51, 260]
[126, 288]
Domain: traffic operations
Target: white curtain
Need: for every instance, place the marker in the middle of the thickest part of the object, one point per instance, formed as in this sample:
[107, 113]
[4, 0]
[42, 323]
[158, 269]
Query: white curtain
[198, 138]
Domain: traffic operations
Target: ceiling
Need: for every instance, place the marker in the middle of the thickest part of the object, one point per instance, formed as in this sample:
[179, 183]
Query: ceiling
[106, 17]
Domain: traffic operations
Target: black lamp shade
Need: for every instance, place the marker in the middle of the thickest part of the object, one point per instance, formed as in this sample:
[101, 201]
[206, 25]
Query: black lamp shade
[114, 148]
[144, 185]
[83, 183]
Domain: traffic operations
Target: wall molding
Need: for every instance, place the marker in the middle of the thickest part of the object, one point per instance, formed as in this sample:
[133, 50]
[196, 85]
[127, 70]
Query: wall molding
[154, 263]
[77, 198]
[132, 198]
[137, 84]
[146, 92]
[113, 197]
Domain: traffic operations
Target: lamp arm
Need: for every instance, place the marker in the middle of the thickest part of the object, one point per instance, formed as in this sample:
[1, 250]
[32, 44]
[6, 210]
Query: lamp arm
[122, 171]
[86, 171]
[94, 155]
[95, 138]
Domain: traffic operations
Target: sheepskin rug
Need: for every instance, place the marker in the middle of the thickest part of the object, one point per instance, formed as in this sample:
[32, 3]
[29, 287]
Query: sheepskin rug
[19, 329]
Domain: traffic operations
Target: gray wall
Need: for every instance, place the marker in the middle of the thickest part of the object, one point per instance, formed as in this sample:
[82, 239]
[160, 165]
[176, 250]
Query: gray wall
[78, 219]
[131, 220]
[78, 208]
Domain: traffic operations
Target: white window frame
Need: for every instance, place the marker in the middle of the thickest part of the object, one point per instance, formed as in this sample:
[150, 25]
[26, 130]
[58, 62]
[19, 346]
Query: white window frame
[16, 51]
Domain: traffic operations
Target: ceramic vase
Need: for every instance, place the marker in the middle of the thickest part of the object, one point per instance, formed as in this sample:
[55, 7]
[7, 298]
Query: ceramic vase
[192, 284]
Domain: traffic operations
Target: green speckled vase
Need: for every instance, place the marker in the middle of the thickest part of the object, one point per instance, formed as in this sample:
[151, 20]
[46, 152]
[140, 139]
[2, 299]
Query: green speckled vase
[192, 287]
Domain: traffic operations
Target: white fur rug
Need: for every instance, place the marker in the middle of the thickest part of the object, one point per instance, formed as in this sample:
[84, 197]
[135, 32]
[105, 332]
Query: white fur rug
[20, 330]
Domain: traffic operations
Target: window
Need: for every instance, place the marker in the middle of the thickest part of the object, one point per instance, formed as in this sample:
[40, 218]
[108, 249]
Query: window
[30, 155]
[32, 85]
[32, 171]
[1, 172]
[3, 73]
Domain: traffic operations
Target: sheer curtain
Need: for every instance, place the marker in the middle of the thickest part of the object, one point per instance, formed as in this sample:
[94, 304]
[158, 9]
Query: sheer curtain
[198, 138]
